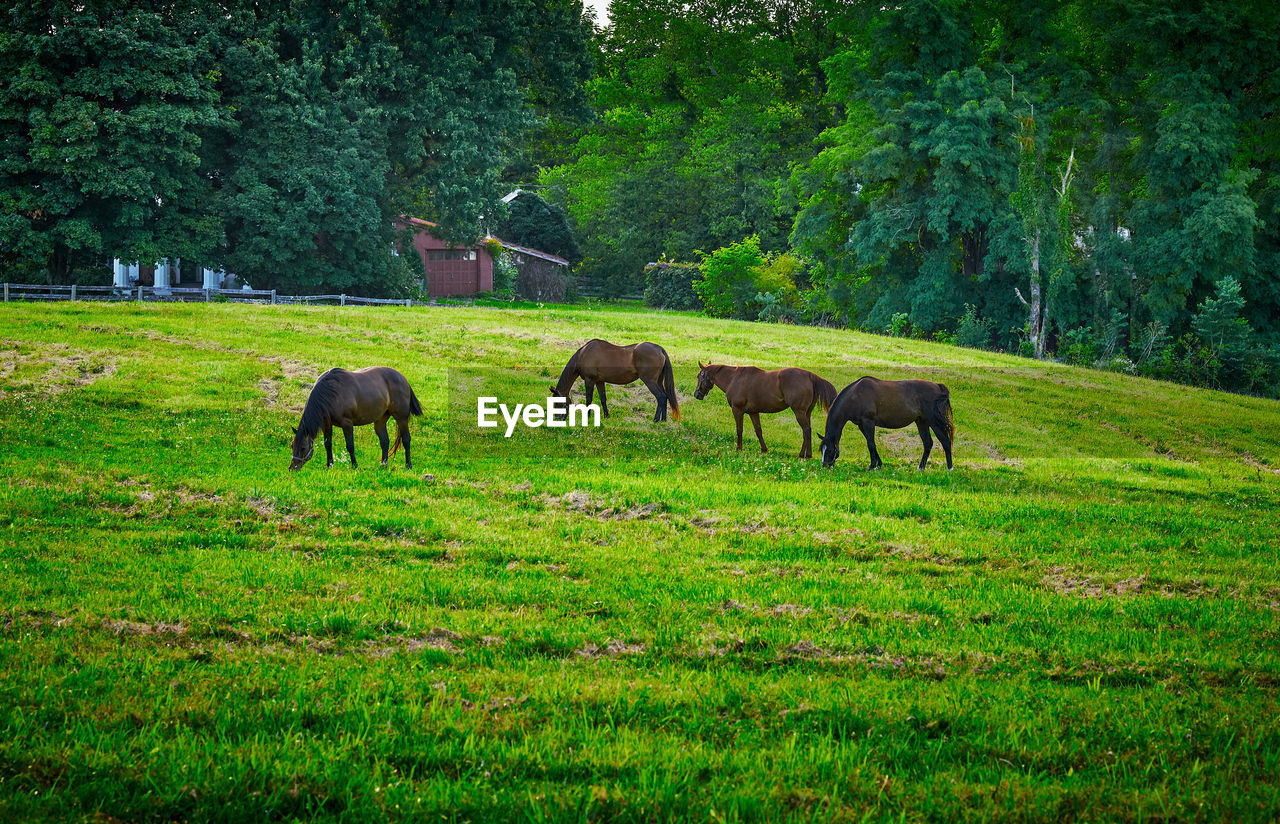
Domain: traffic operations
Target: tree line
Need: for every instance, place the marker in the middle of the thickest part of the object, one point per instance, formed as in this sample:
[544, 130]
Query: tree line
[278, 139]
[1093, 181]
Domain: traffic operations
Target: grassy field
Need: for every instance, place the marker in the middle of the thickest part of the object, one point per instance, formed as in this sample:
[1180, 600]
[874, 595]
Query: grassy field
[634, 623]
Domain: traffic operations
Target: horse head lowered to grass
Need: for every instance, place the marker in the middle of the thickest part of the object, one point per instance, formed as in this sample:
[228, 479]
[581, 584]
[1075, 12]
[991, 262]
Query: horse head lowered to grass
[870, 402]
[599, 362]
[350, 399]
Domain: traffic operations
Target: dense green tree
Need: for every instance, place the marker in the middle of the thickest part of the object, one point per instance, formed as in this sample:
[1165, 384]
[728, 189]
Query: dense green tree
[101, 108]
[702, 107]
[533, 222]
[278, 138]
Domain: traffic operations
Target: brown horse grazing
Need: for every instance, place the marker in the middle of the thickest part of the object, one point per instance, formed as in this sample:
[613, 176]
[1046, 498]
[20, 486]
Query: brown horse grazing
[599, 362]
[751, 391]
[350, 399]
[870, 402]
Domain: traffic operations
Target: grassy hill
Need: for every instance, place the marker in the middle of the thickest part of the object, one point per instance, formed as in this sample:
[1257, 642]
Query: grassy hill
[632, 623]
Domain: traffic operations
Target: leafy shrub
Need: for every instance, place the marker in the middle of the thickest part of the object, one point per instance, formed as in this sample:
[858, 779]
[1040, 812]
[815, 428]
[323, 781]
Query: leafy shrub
[1153, 340]
[1112, 331]
[774, 308]
[900, 325]
[973, 332]
[670, 286]
[505, 274]
[1117, 363]
[727, 286]
[1079, 346]
[777, 276]
[1219, 323]
[734, 276]
[816, 307]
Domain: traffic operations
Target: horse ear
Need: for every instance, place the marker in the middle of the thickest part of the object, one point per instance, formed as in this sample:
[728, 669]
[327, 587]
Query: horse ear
[295, 429]
[701, 365]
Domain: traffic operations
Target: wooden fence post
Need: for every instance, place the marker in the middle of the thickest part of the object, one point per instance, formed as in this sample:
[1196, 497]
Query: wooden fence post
[206, 295]
[73, 291]
[139, 294]
[342, 300]
[6, 291]
[273, 297]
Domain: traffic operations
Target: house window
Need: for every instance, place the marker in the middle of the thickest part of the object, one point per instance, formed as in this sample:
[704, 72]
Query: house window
[451, 254]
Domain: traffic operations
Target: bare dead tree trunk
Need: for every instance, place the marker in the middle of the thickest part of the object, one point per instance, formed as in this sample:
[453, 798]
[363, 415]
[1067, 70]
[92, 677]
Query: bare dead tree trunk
[1035, 318]
[1038, 306]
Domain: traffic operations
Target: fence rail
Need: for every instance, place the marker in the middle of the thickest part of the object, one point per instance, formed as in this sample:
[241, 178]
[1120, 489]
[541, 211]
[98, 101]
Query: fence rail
[41, 291]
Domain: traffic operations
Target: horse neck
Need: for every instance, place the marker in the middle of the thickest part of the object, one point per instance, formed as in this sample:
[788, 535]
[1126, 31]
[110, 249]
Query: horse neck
[568, 376]
[314, 415]
[836, 420]
[722, 376]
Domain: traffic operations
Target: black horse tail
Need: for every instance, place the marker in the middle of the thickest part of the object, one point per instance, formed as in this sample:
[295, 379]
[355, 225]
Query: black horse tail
[415, 408]
[669, 386]
[825, 391]
[942, 409]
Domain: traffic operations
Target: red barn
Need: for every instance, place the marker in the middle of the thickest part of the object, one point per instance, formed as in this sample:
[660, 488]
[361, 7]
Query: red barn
[451, 270]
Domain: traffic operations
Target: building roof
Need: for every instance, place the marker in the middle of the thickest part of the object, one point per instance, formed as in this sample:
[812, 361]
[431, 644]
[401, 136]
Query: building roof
[514, 247]
[525, 250]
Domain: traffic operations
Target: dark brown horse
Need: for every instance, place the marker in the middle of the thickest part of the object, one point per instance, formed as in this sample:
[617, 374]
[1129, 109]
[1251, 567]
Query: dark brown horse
[751, 391]
[870, 402]
[350, 399]
[599, 362]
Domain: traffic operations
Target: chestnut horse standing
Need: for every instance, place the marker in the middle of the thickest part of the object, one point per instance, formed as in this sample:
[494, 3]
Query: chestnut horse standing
[751, 391]
[350, 399]
[870, 402]
[599, 362]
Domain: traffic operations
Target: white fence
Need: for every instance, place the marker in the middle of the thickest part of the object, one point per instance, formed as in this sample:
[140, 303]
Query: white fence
[37, 291]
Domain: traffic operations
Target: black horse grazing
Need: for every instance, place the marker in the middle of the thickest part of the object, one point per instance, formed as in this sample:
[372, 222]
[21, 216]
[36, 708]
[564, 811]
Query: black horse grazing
[870, 402]
[599, 362]
[350, 399]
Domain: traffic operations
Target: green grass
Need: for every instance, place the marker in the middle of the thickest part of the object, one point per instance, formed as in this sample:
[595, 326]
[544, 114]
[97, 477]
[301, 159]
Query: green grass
[629, 624]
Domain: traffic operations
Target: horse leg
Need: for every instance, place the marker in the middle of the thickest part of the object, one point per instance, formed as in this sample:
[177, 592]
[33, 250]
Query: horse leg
[926, 440]
[350, 432]
[604, 404]
[403, 434]
[802, 418]
[941, 431]
[591, 390]
[660, 414]
[737, 418]
[755, 421]
[869, 432]
[328, 444]
[380, 427]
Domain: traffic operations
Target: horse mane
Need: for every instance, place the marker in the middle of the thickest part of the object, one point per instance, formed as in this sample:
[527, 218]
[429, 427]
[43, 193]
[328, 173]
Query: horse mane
[570, 372]
[321, 400]
[846, 391]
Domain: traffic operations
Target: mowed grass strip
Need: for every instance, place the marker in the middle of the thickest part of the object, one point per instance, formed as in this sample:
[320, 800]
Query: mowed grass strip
[631, 623]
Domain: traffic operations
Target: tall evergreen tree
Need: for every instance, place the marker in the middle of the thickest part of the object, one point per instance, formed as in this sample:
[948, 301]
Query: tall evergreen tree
[101, 108]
